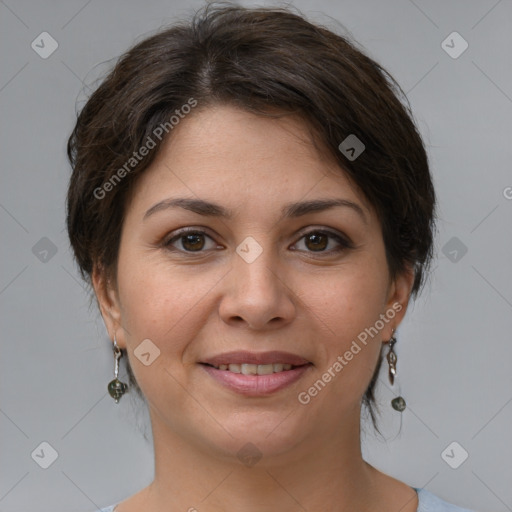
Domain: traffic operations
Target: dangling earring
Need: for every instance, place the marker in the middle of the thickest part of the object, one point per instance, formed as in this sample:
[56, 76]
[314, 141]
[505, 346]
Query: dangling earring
[116, 388]
[397, 403]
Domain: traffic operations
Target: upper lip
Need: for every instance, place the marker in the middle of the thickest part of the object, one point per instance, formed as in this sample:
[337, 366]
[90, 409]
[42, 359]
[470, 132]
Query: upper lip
[241, 356]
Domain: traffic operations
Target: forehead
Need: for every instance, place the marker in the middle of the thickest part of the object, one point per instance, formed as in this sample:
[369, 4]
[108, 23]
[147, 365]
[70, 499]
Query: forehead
[239, 137]
[227, 152]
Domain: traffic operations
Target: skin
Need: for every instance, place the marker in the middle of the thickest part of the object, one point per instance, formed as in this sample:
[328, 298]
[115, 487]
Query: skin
[296, 297]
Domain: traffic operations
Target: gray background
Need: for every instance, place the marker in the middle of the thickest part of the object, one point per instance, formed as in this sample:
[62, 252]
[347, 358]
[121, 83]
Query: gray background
[454, 347]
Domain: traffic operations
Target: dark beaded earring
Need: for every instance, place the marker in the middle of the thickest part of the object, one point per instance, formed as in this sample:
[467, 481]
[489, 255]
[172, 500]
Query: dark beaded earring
[116, 388]
[397, 403]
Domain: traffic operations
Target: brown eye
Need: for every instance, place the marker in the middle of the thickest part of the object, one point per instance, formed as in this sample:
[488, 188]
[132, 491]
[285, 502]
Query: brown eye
[189, 240]
[318, 241]
[193, 242]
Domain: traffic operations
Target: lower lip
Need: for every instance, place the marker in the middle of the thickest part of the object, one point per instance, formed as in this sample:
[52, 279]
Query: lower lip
[256, 385]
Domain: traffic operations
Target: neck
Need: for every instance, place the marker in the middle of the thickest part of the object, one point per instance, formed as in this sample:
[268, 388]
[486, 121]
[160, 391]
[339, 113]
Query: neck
[325, 471]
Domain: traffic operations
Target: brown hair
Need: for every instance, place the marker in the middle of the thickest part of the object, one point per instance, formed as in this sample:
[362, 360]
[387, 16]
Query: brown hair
[261, 60]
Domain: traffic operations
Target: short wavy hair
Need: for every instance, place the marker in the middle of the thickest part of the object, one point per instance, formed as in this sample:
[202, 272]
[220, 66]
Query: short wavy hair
[263, 60]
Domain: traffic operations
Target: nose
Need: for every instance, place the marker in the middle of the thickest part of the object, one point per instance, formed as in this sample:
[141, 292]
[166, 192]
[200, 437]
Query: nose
[258, 293]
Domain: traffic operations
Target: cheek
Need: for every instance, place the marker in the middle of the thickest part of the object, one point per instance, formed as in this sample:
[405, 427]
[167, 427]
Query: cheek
[161, 305]
[352, 298]
[348, 308]
[163, 302]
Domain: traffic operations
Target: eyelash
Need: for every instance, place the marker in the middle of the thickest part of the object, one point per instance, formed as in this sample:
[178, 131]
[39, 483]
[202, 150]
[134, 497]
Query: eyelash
[344, 243]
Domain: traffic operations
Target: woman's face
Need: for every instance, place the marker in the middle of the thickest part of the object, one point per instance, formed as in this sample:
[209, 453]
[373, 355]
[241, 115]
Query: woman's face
[278, 275]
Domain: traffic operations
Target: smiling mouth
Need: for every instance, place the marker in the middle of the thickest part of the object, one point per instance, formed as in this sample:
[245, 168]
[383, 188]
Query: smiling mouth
[256, 369]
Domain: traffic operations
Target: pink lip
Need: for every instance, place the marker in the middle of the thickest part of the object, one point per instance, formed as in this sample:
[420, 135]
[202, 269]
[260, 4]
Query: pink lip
[242, 356]
[256, 385]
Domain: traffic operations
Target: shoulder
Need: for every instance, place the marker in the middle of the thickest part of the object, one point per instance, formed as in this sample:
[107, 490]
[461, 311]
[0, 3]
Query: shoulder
[428, 502]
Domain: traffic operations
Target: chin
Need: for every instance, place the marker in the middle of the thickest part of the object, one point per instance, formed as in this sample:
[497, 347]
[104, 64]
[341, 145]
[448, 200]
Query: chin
[259, 438]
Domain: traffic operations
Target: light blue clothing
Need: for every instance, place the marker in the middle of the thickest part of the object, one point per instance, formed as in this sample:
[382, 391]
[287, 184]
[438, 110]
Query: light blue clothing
[427, 502]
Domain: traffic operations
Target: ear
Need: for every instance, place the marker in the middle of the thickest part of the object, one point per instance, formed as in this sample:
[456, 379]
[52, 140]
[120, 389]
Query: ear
[397, 301]
[110, 306]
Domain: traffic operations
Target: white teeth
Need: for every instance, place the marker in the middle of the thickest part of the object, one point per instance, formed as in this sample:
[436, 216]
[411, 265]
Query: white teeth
[255, 369]
[249, 369]
[265, 369]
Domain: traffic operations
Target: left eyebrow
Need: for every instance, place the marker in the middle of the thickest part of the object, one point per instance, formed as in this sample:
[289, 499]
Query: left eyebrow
[290, 210]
